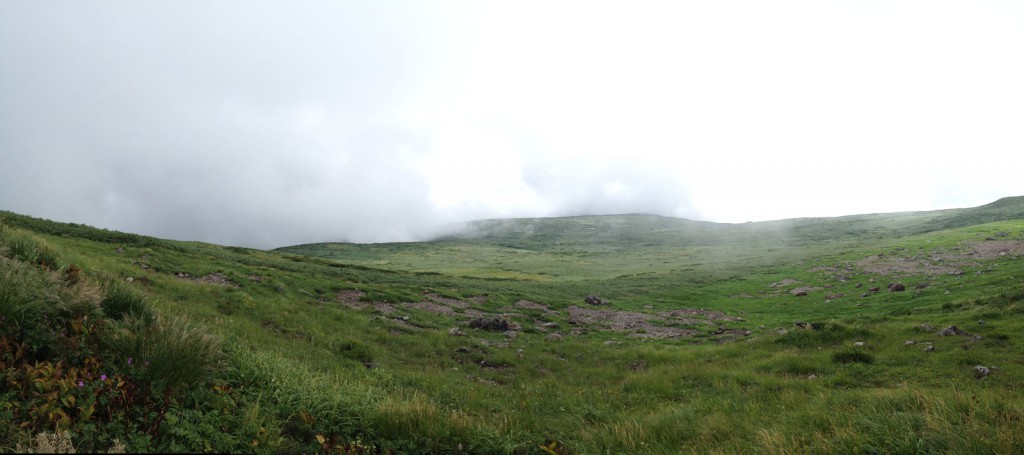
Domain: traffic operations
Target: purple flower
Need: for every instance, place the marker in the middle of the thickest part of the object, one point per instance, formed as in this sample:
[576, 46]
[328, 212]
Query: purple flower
[103, 377]
[146, 363]
[81, 384]
[129, 360]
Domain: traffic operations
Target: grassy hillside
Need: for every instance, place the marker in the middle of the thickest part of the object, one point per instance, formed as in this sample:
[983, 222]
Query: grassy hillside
[708, 338]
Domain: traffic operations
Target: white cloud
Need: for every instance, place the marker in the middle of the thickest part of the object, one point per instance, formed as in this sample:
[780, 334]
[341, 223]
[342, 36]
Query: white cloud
[255, 124]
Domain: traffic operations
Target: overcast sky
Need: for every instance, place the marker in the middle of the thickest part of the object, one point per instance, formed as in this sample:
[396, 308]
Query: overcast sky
[266, 124]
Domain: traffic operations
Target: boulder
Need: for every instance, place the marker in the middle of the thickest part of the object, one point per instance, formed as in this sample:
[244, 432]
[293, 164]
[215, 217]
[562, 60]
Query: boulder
[594, 300]
[954, 331]
[898, 287]
[493, 324]
[981, 371]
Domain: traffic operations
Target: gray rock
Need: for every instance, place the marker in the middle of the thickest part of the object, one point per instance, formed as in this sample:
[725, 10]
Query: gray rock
[955, 331]
[455, 332]
[859, 344]
[510, 334]
[929, 348]
[909, 342]
[981, 372]
[493, 324]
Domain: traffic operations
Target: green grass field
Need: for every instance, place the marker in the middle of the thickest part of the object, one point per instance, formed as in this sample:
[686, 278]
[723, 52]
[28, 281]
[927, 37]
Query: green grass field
[715, 338]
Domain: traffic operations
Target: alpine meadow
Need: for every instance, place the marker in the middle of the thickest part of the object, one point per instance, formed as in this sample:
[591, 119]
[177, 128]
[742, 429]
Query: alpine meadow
[882, 333]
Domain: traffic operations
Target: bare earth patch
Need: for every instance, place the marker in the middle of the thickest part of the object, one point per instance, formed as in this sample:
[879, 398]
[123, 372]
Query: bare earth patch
[645, 325]
[942, 262]
[218, 279]
[992, 249]
[899, 265]
[353, 299]
[785, 282]
[453, 303]
[431, 307]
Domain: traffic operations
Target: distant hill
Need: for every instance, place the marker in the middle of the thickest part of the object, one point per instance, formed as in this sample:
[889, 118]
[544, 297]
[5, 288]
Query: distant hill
[582, 247]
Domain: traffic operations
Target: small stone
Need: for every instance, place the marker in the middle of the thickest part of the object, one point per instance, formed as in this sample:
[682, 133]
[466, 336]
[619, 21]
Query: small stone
[981, 322]
[909, 342]
[813, 376]
[462, 350]
[554, 337]
[510, 334]
[455, 332]
[929, 348]
[859, 344]
[981, 372]
[129, 279]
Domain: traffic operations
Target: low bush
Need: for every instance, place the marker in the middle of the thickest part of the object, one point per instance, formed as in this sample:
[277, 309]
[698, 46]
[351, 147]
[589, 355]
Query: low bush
[853, 357]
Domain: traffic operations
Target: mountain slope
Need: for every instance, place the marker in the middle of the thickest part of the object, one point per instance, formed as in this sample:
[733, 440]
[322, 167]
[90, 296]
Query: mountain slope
[775, 337]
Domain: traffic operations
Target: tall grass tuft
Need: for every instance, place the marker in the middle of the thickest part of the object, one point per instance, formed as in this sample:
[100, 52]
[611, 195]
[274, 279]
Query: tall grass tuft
[121, 301]
[28, 303]
[26, 248]
[170, 351]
